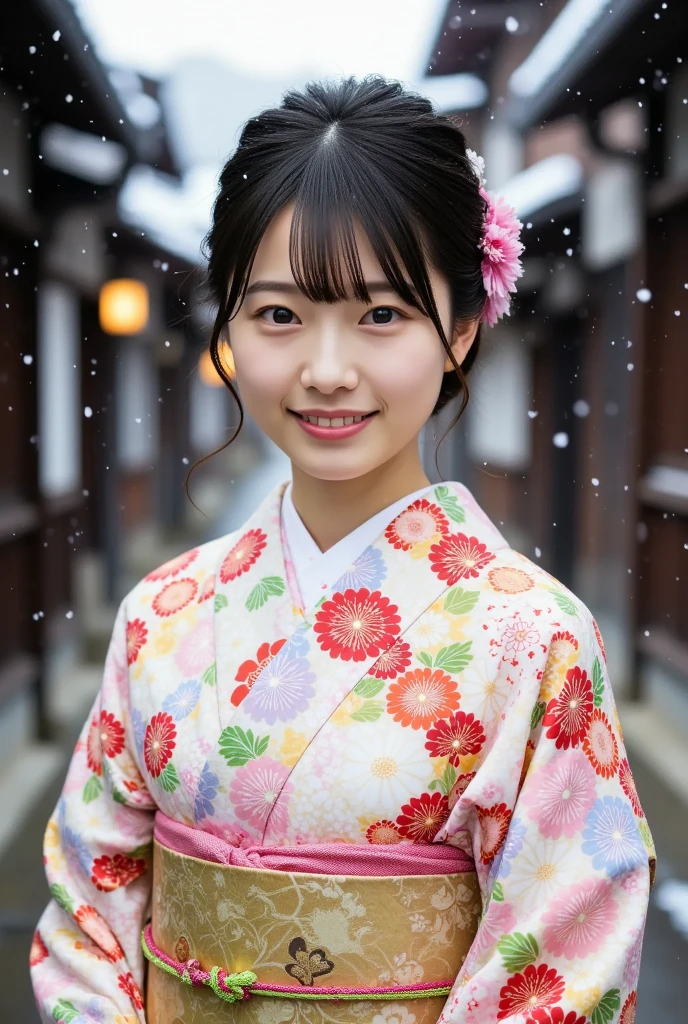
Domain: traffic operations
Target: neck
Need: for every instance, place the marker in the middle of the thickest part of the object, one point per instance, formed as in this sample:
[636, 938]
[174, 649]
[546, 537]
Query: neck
[331, 509]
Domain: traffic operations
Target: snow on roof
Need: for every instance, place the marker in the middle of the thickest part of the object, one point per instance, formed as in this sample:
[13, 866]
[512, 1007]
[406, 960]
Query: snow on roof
[554, 178]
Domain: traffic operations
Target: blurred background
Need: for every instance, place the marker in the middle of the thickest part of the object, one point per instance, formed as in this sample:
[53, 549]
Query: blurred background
[114, 121]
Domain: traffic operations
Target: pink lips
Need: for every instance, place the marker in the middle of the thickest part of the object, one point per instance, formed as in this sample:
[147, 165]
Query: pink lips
[333, 433]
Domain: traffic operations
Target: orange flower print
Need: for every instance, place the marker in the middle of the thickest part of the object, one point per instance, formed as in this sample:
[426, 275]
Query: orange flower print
[95, 927]
[628, 785]
[392, 662]
[243, 555]
[420, 697]
[159, 742]
[422, 817]
[174, 597]
[128, 985]
[455, 737]
[629, 1007]
[568, 715]
[420, 521]
[494, 825]
[383, 833]
[459, 557]
[137, 634]
[109, 873]
[356, 625]
[207, 589]
[508, 580]
[250, 670]
[106, 736]
[172, 567]
[600, 745]
[39, 950]
[599, 639]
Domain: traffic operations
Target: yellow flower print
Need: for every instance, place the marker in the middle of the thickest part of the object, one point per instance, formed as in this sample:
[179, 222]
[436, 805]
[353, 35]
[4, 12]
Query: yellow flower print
[457, 628]
[351, 703]
[438, 765]
[164, 640]
[583, 991]
[563, 653]
[52, 835]
[421, 549]
[293, 746]
[617, 723]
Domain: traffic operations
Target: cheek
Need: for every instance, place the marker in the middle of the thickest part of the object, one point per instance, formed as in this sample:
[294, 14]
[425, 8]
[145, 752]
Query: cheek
[261, 379]
[413, 374]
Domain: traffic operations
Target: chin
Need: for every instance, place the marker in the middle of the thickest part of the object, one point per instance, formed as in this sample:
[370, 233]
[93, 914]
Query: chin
[335, 469]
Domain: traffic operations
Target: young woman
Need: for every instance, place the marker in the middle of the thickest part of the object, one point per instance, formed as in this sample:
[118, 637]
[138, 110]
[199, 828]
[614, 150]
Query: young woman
[360, 760]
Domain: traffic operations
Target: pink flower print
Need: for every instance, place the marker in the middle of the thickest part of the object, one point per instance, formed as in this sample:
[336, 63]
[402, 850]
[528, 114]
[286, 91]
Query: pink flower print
[559, 796]
[632, 965]
[499, 919]
[259, 791]
[580, 919]
[519, 636]
[197, 650]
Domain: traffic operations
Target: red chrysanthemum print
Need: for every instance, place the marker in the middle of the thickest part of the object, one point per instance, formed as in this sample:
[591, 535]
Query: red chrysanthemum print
[207, 589]
[494, 825]
[106, 736]
[137, 634]
[526, 991]
[568, 715]
[423, 816]
[458, 557]
[39, 950]
[599, 639]
[629, 1008]
[459, 788]
[420, 697]
[455, 737]
[128, 985]
[392, 662]
[172, 567]
[250, 670]
[356, 625]
[174, 597]
[159, 742]
[383, 833]
[554, 1015]
[628, 785]
[95, 927]
[243, 555]
[420, 521]
[600, 746]
[110, 873]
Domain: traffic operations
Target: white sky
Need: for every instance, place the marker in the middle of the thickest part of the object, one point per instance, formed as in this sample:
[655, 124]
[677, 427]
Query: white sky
[270, 38]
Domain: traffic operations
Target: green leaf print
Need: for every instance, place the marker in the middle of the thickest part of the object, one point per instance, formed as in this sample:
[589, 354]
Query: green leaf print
[449, 503]
[454, 658]
[220, 601]
[368, 687]
[565, 603]
[605, 1009]
[460, 602]
[117, 796]
[425, 659]
[238, 747]
[370, 712]
[448, 779]
[434, 784]
[92, 789]
[537, 714]
[61, 896]
[169, 779]
[518, 951]
[210, 675]
[597, 683]
[66, 1011]
[267, 587]
[497, 893]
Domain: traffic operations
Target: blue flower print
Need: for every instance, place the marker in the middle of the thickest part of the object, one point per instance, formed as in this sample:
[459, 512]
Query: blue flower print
[206, 793]
[282, 690]
[512, 847]
[298, 642]
[368, 570]
[184, 699]
[612, 838]
[138, 726]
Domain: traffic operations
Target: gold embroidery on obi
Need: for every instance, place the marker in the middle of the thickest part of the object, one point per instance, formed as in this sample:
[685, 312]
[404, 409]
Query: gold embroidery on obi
[310, 930]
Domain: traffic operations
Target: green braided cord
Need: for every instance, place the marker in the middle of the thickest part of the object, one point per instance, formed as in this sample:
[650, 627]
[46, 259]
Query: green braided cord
[361, 997]
[235, 982]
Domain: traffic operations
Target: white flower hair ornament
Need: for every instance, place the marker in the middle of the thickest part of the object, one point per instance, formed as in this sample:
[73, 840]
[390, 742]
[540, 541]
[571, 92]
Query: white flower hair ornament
[501, 247]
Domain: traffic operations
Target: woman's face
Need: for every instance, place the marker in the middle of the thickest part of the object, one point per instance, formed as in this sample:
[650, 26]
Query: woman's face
[308, 372]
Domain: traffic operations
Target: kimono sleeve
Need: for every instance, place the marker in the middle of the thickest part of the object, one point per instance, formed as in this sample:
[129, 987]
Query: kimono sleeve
[563, 851]
[86, 960]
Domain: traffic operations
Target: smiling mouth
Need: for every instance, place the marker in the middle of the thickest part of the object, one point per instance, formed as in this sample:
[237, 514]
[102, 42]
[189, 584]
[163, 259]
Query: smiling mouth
[334, 421]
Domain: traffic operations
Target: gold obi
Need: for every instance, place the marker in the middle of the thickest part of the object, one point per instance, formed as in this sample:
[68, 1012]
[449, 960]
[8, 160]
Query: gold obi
[301, 934]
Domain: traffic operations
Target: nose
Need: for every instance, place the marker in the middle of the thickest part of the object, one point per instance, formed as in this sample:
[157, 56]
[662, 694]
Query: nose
[328, 364]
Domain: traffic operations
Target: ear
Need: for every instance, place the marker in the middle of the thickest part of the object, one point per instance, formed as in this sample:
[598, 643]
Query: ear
[463, 338]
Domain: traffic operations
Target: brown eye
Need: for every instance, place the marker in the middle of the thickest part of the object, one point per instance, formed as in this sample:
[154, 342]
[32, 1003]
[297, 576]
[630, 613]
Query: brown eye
[278, 315]
[382, 315]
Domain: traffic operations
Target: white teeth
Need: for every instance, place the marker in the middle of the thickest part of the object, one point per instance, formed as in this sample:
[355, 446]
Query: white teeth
[348, 420]
[357, 419]
[322, 422]
[337, 421]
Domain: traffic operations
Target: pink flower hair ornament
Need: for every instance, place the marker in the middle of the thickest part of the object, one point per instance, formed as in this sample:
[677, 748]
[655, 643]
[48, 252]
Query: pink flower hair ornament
[501, 248]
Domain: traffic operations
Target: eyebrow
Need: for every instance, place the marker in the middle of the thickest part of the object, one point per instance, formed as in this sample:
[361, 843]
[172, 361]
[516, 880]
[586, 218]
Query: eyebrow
[291, 288]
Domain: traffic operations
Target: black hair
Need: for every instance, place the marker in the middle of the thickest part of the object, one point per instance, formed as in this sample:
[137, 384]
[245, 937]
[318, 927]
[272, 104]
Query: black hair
[352, 151]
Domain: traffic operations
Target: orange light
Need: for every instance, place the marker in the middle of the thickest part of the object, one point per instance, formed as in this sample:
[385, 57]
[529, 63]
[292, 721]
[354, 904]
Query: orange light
[123, 306]
[207, 371]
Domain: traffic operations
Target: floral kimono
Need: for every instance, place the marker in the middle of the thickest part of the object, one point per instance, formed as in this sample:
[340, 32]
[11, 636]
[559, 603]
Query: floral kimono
[445, 690]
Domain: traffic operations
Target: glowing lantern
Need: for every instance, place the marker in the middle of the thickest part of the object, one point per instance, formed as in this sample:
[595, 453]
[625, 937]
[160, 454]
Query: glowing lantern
[207, 371]
[123, 306]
